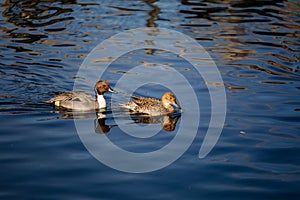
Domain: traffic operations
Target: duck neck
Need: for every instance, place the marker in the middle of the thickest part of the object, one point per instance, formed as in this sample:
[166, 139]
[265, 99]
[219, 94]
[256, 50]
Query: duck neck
[100, 101]
[168, 107]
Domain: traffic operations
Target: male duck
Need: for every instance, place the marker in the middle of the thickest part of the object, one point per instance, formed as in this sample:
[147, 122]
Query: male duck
[151, 106]
[81, 101]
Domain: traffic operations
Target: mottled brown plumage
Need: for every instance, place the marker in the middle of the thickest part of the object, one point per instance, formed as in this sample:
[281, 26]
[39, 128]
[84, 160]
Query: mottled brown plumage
[151, 106]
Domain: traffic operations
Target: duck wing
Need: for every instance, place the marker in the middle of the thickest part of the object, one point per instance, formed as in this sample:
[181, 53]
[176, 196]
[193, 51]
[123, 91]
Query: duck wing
[144, 105]
[70, 96]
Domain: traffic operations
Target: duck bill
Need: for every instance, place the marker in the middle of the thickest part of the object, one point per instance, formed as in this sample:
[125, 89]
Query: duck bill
[176, 105]
[112, 91]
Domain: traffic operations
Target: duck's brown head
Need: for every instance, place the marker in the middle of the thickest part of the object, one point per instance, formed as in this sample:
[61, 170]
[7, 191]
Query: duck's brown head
[102, 86]
[169, 99]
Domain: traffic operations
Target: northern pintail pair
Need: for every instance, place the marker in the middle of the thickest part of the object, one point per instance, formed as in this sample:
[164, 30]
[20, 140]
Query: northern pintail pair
[81, 101]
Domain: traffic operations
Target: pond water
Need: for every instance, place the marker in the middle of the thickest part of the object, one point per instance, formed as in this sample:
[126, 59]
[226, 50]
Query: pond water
[255, 45]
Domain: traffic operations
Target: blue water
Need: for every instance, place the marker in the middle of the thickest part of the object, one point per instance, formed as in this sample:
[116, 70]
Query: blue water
[255, 45]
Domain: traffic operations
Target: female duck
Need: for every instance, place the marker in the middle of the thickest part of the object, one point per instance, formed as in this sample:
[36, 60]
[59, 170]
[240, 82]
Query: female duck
[81, 101]
[152, 106]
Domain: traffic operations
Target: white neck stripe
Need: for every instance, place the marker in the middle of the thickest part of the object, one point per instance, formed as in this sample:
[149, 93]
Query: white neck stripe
[101, 101]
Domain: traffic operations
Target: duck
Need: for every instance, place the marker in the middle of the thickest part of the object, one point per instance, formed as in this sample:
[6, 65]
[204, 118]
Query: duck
[152, 106]
[81, 101]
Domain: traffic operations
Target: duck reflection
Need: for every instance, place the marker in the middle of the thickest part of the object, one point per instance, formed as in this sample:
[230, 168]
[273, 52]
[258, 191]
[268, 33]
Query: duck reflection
[168, 122]
[69, 114]
[100, 124]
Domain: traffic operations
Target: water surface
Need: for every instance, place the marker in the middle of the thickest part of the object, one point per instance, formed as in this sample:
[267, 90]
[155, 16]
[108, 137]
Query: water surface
[256, 48]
